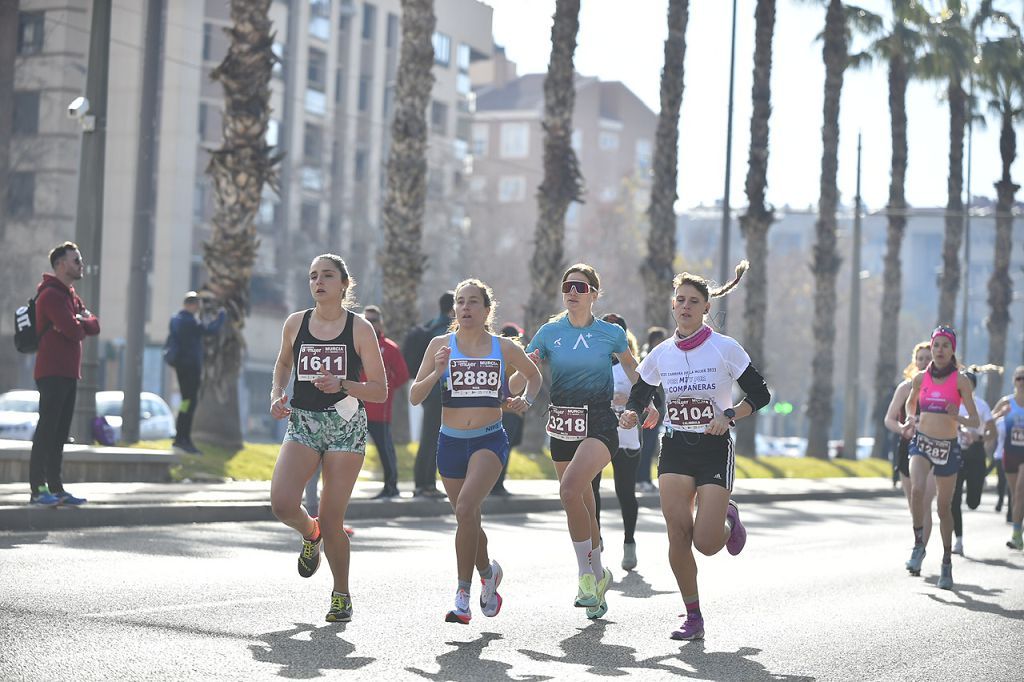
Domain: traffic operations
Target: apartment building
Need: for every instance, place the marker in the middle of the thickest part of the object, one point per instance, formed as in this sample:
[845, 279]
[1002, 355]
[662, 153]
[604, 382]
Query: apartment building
[613, 138]
[332, 101]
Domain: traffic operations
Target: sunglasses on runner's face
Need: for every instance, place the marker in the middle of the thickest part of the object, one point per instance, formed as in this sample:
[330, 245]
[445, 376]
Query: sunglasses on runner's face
[580, 287]
[1020, 378]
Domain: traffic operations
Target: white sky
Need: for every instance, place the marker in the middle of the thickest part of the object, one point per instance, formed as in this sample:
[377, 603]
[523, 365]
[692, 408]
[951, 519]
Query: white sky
[616, 43]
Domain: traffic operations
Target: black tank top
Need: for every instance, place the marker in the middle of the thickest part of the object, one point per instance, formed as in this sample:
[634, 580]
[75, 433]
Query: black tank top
[311, 357]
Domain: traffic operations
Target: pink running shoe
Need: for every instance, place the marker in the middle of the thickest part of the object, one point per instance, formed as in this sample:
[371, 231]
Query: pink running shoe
[738, 536]
[692, 628]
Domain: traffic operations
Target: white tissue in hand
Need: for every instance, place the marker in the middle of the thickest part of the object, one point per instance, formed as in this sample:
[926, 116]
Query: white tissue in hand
[347, 407]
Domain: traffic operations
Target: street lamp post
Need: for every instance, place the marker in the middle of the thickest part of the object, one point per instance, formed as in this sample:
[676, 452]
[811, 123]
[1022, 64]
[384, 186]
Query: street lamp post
[853, 353]
[723, 271]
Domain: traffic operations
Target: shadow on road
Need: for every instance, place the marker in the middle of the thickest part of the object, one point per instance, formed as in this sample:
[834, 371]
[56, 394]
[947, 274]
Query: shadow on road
[724, 665]
[971, 604]
[634, 585]
[22, 539]
[1000, 563]
[465, 662]
[305, 659]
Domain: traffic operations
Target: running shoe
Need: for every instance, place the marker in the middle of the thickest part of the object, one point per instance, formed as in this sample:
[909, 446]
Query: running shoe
[738, 535]
[586, 595]
[67, 498]
[461, 613]
[309, 557]
[43, 498]
[946, 578]
[490, 600]
[628, 556]
[692, 628]
[341, 608]
[602, 589]
[958, 546]
[1015, 542]
[916, 559]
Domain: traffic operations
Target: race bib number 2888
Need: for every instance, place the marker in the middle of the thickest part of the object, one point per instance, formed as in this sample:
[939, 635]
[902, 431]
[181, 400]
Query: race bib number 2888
[317, 358]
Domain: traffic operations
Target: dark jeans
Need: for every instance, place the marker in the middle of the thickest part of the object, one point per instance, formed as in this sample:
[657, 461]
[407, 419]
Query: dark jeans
[380, 432]
[513, 425]
[425, 468]
[649, 442]
[624, 466]
[56, 408]
[188, 383]
[973, 474]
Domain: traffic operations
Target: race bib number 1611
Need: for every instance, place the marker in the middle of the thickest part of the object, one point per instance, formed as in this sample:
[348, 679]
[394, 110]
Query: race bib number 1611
[316, 359]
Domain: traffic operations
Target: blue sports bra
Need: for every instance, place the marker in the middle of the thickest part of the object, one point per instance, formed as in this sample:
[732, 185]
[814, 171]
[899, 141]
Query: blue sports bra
[473, 382]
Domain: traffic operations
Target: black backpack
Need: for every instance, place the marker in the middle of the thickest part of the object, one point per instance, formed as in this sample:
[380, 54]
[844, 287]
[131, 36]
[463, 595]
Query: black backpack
[26, 340]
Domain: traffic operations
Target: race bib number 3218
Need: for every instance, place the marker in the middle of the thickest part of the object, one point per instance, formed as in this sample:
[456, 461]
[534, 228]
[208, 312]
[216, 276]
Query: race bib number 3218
[316, 359]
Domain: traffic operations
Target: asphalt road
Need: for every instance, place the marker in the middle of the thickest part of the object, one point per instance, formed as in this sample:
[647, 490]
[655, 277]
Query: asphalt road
[820, 592]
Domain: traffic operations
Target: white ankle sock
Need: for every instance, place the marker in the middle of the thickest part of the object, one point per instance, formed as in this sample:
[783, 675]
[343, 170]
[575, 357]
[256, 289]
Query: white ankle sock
[583, 556]
[595, 562]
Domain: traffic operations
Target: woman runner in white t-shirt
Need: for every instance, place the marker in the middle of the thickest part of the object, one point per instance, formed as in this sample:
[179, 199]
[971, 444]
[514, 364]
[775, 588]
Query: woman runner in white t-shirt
[698, 368]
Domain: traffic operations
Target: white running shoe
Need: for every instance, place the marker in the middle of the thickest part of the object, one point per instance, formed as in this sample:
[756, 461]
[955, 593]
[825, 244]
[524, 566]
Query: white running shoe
[490, 600]
[958, 546]
[461, 613]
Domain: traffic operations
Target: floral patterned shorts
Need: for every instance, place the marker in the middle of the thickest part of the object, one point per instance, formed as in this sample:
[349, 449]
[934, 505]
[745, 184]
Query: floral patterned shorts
[328, 431]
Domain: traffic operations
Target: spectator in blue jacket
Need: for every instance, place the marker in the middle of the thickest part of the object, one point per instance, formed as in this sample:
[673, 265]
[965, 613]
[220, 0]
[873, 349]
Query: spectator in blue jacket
[185, 353]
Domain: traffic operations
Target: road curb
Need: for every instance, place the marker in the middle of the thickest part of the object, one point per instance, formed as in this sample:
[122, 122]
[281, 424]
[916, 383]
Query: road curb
[22, 519]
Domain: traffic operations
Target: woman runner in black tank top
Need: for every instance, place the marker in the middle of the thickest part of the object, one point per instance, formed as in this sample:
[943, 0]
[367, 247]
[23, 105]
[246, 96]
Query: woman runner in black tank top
[323, 350]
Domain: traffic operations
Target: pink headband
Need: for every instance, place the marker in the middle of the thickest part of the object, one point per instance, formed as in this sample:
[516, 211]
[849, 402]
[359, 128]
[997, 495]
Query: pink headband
[948, 333]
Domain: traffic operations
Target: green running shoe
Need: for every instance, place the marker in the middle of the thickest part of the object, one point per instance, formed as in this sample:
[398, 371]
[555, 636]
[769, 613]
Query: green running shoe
[341, 608]
[602, 589]
[309, 557]
[586, 596]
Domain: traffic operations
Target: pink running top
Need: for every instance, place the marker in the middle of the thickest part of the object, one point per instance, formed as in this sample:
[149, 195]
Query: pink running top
[935, 397]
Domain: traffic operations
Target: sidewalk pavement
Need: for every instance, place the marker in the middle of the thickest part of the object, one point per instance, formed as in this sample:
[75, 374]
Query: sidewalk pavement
[136, 504]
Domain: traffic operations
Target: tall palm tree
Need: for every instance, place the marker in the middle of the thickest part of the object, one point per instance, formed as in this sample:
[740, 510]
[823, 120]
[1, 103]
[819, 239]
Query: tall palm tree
[238, 171]
[562, 183]
[899, 47]
[950, 45]
[405, 202]
[657, 269]
[759, 217]
[1002, 79]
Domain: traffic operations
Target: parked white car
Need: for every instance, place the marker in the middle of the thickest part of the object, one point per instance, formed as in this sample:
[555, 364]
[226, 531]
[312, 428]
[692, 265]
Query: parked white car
[19, 413]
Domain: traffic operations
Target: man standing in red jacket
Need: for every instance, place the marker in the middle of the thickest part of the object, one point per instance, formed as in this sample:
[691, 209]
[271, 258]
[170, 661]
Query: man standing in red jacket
[378, 415]
[62, 321]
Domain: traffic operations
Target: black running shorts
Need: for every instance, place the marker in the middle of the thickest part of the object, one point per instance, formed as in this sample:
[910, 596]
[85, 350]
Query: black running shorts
[709, 460]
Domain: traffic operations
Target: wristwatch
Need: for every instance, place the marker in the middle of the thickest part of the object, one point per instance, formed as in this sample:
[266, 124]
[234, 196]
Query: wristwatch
[730, 414]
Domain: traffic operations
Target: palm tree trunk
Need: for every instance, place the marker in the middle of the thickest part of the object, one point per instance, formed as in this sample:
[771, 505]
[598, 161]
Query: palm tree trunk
[238, 171]
[758, 218]
[888, 347]
[657, 270]
[949, 280]
[826, 261]
[402, 262]
[562, 182]
[1000, 286]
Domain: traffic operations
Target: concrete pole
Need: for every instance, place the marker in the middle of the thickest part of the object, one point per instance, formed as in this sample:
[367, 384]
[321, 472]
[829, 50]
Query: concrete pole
[853, 353]
[724, 268]
[142, 234]
[89, 214]
[966, 277]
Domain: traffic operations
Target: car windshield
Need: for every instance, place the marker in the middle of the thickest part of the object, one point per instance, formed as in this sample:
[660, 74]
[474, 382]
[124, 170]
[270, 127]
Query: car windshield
[108, 408]
[18, 404]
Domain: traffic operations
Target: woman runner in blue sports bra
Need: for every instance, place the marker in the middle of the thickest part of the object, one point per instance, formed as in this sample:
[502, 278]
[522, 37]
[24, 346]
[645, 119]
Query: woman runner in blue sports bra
[1011, 409]
[326, 346]
[583, 427]
[472, 447]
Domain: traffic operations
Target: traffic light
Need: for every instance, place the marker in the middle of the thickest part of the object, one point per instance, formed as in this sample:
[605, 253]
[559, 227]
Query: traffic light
[783, 408]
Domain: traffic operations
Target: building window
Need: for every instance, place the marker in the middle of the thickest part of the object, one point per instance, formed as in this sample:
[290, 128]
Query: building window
[365, 83]
[369, 20]
[438, 118]
[481, 135]
[30, 32]
[515, 140]
[199, 197]
[207, 41]
[643, 155]
[273, 127]
[26, 113]
[312, 145]
[393, 29]
[277, 70]
[442, 49]
[21, 195]
[462, 57]
[463, 84]
[309, 217]
[320, 19]
[360, 167]
[608, 141]
[511, 188]
[316, 71]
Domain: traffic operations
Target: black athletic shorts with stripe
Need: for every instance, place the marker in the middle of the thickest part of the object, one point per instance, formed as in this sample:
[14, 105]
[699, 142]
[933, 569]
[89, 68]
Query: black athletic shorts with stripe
[709, 460]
